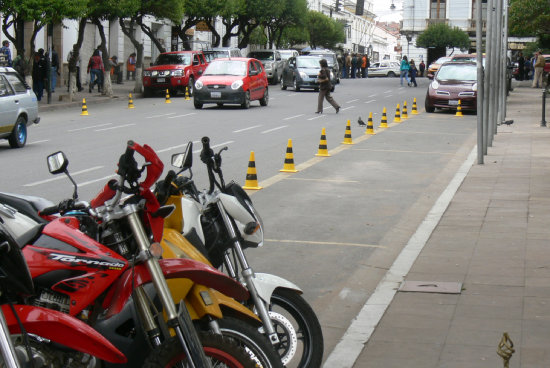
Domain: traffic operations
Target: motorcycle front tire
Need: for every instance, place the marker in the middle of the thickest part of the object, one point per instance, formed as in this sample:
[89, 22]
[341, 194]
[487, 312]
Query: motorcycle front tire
[217, 348]
[308, 329]
[250, 339]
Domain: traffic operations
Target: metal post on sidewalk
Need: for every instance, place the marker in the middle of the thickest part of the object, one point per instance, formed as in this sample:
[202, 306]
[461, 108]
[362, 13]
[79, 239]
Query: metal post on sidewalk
[480, 94]
[543, 121]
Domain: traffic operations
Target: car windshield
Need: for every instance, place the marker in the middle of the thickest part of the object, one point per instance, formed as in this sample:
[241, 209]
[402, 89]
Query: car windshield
[226, 67]
[328, 57]
[465, 72]
[171, 59]
[285, 54]
[307, 63]
[261, 55]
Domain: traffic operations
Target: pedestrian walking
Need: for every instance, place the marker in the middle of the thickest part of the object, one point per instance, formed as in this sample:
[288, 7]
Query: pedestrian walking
[363, 66]
[131, 66]
[521, 66]
[404, 69]
[421, 68]
[412, 73]
[78, 63]
[539, 67]
[324, 88]
[367, 68]
[95, 69]
[5, 49]
[39, 73]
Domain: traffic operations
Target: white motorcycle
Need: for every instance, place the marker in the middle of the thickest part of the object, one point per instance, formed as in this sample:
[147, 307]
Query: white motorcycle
[220, 223]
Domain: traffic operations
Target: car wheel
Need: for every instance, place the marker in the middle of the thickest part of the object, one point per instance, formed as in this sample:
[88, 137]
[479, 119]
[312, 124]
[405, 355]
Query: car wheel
[191, 86]
[246, 102]
[428, 107]
[264, 100]
[295, 83]
[18, 137]
[391, 74]
[198, 105]
[147, 92]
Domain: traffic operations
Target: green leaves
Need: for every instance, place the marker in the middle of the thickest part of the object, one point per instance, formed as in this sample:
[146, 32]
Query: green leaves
[441, 35]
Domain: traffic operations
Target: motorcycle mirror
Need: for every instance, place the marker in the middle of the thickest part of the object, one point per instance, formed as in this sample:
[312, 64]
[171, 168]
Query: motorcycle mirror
[184, 160]
[57, 163]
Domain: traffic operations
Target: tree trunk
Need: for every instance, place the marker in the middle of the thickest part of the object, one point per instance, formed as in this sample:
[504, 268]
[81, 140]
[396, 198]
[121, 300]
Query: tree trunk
[107, 89]
[129, 32]
[74, 59]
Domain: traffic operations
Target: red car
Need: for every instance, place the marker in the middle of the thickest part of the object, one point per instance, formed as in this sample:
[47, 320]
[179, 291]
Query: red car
[174, 71]
[453, 82]
[232, 81]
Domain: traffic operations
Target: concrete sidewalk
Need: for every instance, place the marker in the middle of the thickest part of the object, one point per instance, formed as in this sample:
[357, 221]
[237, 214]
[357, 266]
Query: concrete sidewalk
[494, 238]
[59, 99]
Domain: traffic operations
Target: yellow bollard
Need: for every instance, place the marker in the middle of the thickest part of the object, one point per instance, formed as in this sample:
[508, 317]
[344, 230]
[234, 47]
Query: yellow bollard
[289, 160]
[414, 110]
[251, 181]
[130, 102]
[84, 108]
[168, 97]
[347, 135]
[323, 148]
[459, 110]
[370, 127]
[397, 118]
[384, 121]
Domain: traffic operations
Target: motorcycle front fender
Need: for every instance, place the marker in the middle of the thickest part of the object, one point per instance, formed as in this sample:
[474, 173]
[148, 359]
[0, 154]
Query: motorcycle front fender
[180, 268]
[63, 329]
[266, 283]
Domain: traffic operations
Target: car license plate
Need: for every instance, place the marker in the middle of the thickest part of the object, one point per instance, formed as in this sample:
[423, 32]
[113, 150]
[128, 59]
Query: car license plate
[453, 102]
[161, 80]
[215, 94]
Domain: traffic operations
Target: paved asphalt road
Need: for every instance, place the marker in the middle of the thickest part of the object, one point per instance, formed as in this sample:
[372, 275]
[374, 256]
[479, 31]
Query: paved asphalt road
[322, 224]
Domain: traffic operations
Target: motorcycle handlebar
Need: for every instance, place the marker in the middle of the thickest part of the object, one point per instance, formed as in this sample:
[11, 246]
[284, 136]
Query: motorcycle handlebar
[49, 211]
[108, 192]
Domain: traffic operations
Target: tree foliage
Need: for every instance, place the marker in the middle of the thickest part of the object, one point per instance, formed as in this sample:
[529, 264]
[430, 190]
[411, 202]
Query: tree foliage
[324, 31]
[529, 17]
[442, 35]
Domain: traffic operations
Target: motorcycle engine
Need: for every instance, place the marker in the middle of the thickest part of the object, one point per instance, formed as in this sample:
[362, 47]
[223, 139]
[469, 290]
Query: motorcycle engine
[46, 355]
[51, 300]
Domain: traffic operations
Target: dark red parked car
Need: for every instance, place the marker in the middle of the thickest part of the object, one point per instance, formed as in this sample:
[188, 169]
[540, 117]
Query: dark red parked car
[453, 82]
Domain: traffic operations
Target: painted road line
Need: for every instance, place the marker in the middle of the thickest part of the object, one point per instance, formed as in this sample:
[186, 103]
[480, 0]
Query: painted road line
[293, 117]
[327, 180]
[432, 133]
[35, 142]
[90, 127]
[369, 101]
[116, 127]
[325, 243]
[96, 180]
[216, 146]
[374, 95]
[272, 130]
[359, 332]
[159, 116]
[317, 117]
[245, 129]
[174, 147]
[181, 116]
[400, 151]
[352, 100]
[62, 176]
[389, 91]
[347, 108]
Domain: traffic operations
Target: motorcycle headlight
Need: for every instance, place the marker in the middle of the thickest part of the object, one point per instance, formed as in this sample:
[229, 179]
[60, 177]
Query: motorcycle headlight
[474, 87]
[237, 84]
[198, 84]
[177, 73]
[303, 75]
[146, 73]
[435, 84]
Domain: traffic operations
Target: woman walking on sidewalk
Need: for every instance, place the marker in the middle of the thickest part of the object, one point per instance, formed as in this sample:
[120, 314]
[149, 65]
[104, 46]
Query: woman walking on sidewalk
[95, 69]
[404, 68]
[324, 88]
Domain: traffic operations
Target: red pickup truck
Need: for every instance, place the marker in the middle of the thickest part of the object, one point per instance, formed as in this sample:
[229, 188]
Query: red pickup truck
[174, 71]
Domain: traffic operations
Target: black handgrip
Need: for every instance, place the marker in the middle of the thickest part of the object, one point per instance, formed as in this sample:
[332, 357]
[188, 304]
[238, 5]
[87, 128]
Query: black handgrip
[48, 211]
[127, 166]
[206, 153]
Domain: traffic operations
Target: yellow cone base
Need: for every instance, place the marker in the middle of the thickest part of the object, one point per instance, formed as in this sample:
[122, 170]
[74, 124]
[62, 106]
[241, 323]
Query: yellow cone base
[84, 108]
[323, 148]
[458, 113]
[251, 181]
[288, 166]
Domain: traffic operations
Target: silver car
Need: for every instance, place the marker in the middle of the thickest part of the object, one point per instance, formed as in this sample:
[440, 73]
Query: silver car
[384, 68]
[18, 107]
[272, 62]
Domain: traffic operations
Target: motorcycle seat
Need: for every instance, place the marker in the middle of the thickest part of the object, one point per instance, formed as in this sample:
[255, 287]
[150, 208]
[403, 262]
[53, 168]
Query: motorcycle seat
[27, 205]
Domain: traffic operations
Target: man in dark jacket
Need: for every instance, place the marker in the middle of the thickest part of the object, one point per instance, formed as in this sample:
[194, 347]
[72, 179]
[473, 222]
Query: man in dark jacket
[324, 88]
[39, 73]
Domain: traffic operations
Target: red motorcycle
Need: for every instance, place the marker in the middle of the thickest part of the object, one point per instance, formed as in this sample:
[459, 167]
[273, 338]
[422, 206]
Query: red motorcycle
[119, 286]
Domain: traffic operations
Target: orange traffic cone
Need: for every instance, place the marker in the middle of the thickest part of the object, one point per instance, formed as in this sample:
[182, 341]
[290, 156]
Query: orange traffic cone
[84, 108]
[397, 118]
[370, 127]
[251, 181]
[289, 159]
[384, 121]
[347, 135]
[323, 150]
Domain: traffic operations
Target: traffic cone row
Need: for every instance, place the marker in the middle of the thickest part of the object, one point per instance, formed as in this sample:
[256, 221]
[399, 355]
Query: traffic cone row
[370, 127]
[384, 121]
[347, 135]
[414, 109]
[323, 148]
[404, 114]
[397, 118]
[130, 102]
[289, 159]
[251, 181]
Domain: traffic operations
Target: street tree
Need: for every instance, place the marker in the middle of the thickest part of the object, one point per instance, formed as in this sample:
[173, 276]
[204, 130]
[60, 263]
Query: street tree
[293, 14]
[196, 11]
[324, 31]
[530, 18]
[440, 35]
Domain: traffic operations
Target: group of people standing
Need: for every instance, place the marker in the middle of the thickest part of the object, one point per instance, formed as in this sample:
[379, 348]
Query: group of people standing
[354, 65]
[531, 68]
[40, 72]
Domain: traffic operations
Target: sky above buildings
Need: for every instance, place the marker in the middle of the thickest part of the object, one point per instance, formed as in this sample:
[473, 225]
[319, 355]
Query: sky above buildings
[382, 8]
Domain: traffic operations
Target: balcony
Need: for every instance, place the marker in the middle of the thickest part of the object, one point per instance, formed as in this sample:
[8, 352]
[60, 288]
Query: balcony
[430, 21]
[473, 22]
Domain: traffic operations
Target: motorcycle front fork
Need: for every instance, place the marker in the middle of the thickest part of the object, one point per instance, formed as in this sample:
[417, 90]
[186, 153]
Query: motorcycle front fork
[182, 326]
[6, 345]
[248, 276]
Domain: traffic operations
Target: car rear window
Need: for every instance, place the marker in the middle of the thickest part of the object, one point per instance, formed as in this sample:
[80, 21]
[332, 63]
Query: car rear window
[261, 55]
[307, 63]
[171, 59]
[457, 72]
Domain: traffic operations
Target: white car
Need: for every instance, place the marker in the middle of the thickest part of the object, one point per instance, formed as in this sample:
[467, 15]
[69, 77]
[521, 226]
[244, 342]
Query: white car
[18, 107]
[384, 68]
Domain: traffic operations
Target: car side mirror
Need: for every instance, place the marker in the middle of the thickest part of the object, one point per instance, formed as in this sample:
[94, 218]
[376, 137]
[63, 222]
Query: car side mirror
[184, 160]
[57, 163]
